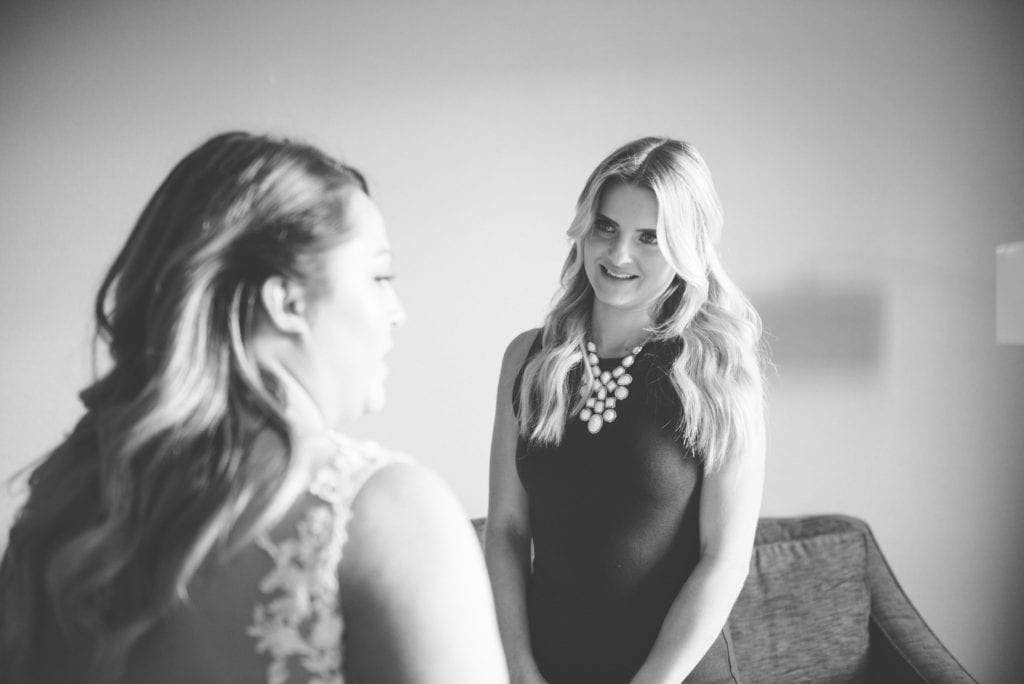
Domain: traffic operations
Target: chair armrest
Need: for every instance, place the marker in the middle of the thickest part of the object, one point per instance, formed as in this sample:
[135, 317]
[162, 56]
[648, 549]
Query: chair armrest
[902, 648]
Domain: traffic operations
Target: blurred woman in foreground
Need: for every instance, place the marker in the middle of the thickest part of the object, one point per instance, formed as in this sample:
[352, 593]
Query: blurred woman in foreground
[205, 521]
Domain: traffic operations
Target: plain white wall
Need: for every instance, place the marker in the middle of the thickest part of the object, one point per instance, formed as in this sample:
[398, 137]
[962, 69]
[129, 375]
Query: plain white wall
[869, 157]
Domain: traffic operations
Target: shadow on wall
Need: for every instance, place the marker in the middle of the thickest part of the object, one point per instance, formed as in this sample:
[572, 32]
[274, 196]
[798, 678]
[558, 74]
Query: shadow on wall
[816, 328]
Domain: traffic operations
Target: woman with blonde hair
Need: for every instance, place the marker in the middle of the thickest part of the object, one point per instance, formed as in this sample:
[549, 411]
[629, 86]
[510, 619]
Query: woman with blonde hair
[205, 521]
[628, 447]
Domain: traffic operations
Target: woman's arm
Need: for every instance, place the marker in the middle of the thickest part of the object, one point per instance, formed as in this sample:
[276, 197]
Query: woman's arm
[507, 540]
[729, 508]
[414, 591]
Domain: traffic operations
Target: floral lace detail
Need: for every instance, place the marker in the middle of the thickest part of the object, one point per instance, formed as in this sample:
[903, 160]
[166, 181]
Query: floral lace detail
[299, 623]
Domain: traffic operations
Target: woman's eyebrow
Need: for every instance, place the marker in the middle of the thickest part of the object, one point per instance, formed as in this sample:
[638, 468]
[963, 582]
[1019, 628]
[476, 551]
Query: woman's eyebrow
[602, 217]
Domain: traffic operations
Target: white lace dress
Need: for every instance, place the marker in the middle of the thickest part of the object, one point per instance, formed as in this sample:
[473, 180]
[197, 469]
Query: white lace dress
[299, 625]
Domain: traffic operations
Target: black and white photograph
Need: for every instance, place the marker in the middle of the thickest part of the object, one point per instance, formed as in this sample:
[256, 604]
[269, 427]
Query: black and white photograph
[484, 342]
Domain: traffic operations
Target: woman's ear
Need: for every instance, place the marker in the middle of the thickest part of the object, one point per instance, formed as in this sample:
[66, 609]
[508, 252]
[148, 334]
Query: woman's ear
[286, 305]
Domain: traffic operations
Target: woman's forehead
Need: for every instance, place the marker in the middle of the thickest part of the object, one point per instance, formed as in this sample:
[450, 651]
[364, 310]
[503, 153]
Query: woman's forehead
[631, 206]
[364, 222]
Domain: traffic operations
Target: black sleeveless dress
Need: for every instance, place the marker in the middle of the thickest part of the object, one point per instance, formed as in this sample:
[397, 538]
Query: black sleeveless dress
[614, 518]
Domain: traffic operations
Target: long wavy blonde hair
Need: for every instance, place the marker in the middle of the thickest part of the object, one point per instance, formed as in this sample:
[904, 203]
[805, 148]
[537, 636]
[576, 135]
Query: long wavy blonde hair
[159, 474]
[717, 374]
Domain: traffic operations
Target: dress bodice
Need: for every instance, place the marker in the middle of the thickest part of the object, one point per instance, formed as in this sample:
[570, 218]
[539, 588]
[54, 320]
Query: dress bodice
[614, 518]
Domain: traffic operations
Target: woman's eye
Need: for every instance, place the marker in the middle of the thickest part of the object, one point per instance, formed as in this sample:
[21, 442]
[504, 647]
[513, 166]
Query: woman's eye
[649, 238]
[387, 278]
[602, 227]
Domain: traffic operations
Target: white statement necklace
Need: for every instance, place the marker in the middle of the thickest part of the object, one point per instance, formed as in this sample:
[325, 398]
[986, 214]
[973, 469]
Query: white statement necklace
[608, 388]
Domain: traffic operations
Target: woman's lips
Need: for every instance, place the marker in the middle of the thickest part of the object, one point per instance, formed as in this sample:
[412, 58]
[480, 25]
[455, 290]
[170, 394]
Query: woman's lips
[620, 276]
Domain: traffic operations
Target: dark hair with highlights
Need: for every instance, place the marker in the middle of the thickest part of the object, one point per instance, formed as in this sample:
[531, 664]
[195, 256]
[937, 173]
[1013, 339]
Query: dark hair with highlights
[158, 472]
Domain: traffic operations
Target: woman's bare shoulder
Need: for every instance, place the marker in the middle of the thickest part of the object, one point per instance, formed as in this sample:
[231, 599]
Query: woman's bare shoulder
[402, 510]
[518, 348]
[412, 563]
[402, 487]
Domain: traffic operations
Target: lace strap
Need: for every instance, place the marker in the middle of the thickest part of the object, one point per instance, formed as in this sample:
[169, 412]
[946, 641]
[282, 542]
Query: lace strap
[299, 623]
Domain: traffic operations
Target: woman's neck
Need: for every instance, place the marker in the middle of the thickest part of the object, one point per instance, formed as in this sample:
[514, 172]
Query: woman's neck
[617, 331]
[303, 413]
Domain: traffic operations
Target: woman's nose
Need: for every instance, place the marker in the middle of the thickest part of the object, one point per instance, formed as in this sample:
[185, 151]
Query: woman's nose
[620, 252]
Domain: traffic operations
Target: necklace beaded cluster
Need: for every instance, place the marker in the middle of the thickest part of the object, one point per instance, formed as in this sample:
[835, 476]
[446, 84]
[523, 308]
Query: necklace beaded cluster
[608, 388]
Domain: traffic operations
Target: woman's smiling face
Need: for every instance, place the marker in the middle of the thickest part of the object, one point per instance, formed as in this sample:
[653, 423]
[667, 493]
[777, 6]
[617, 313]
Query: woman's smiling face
[621, 256]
